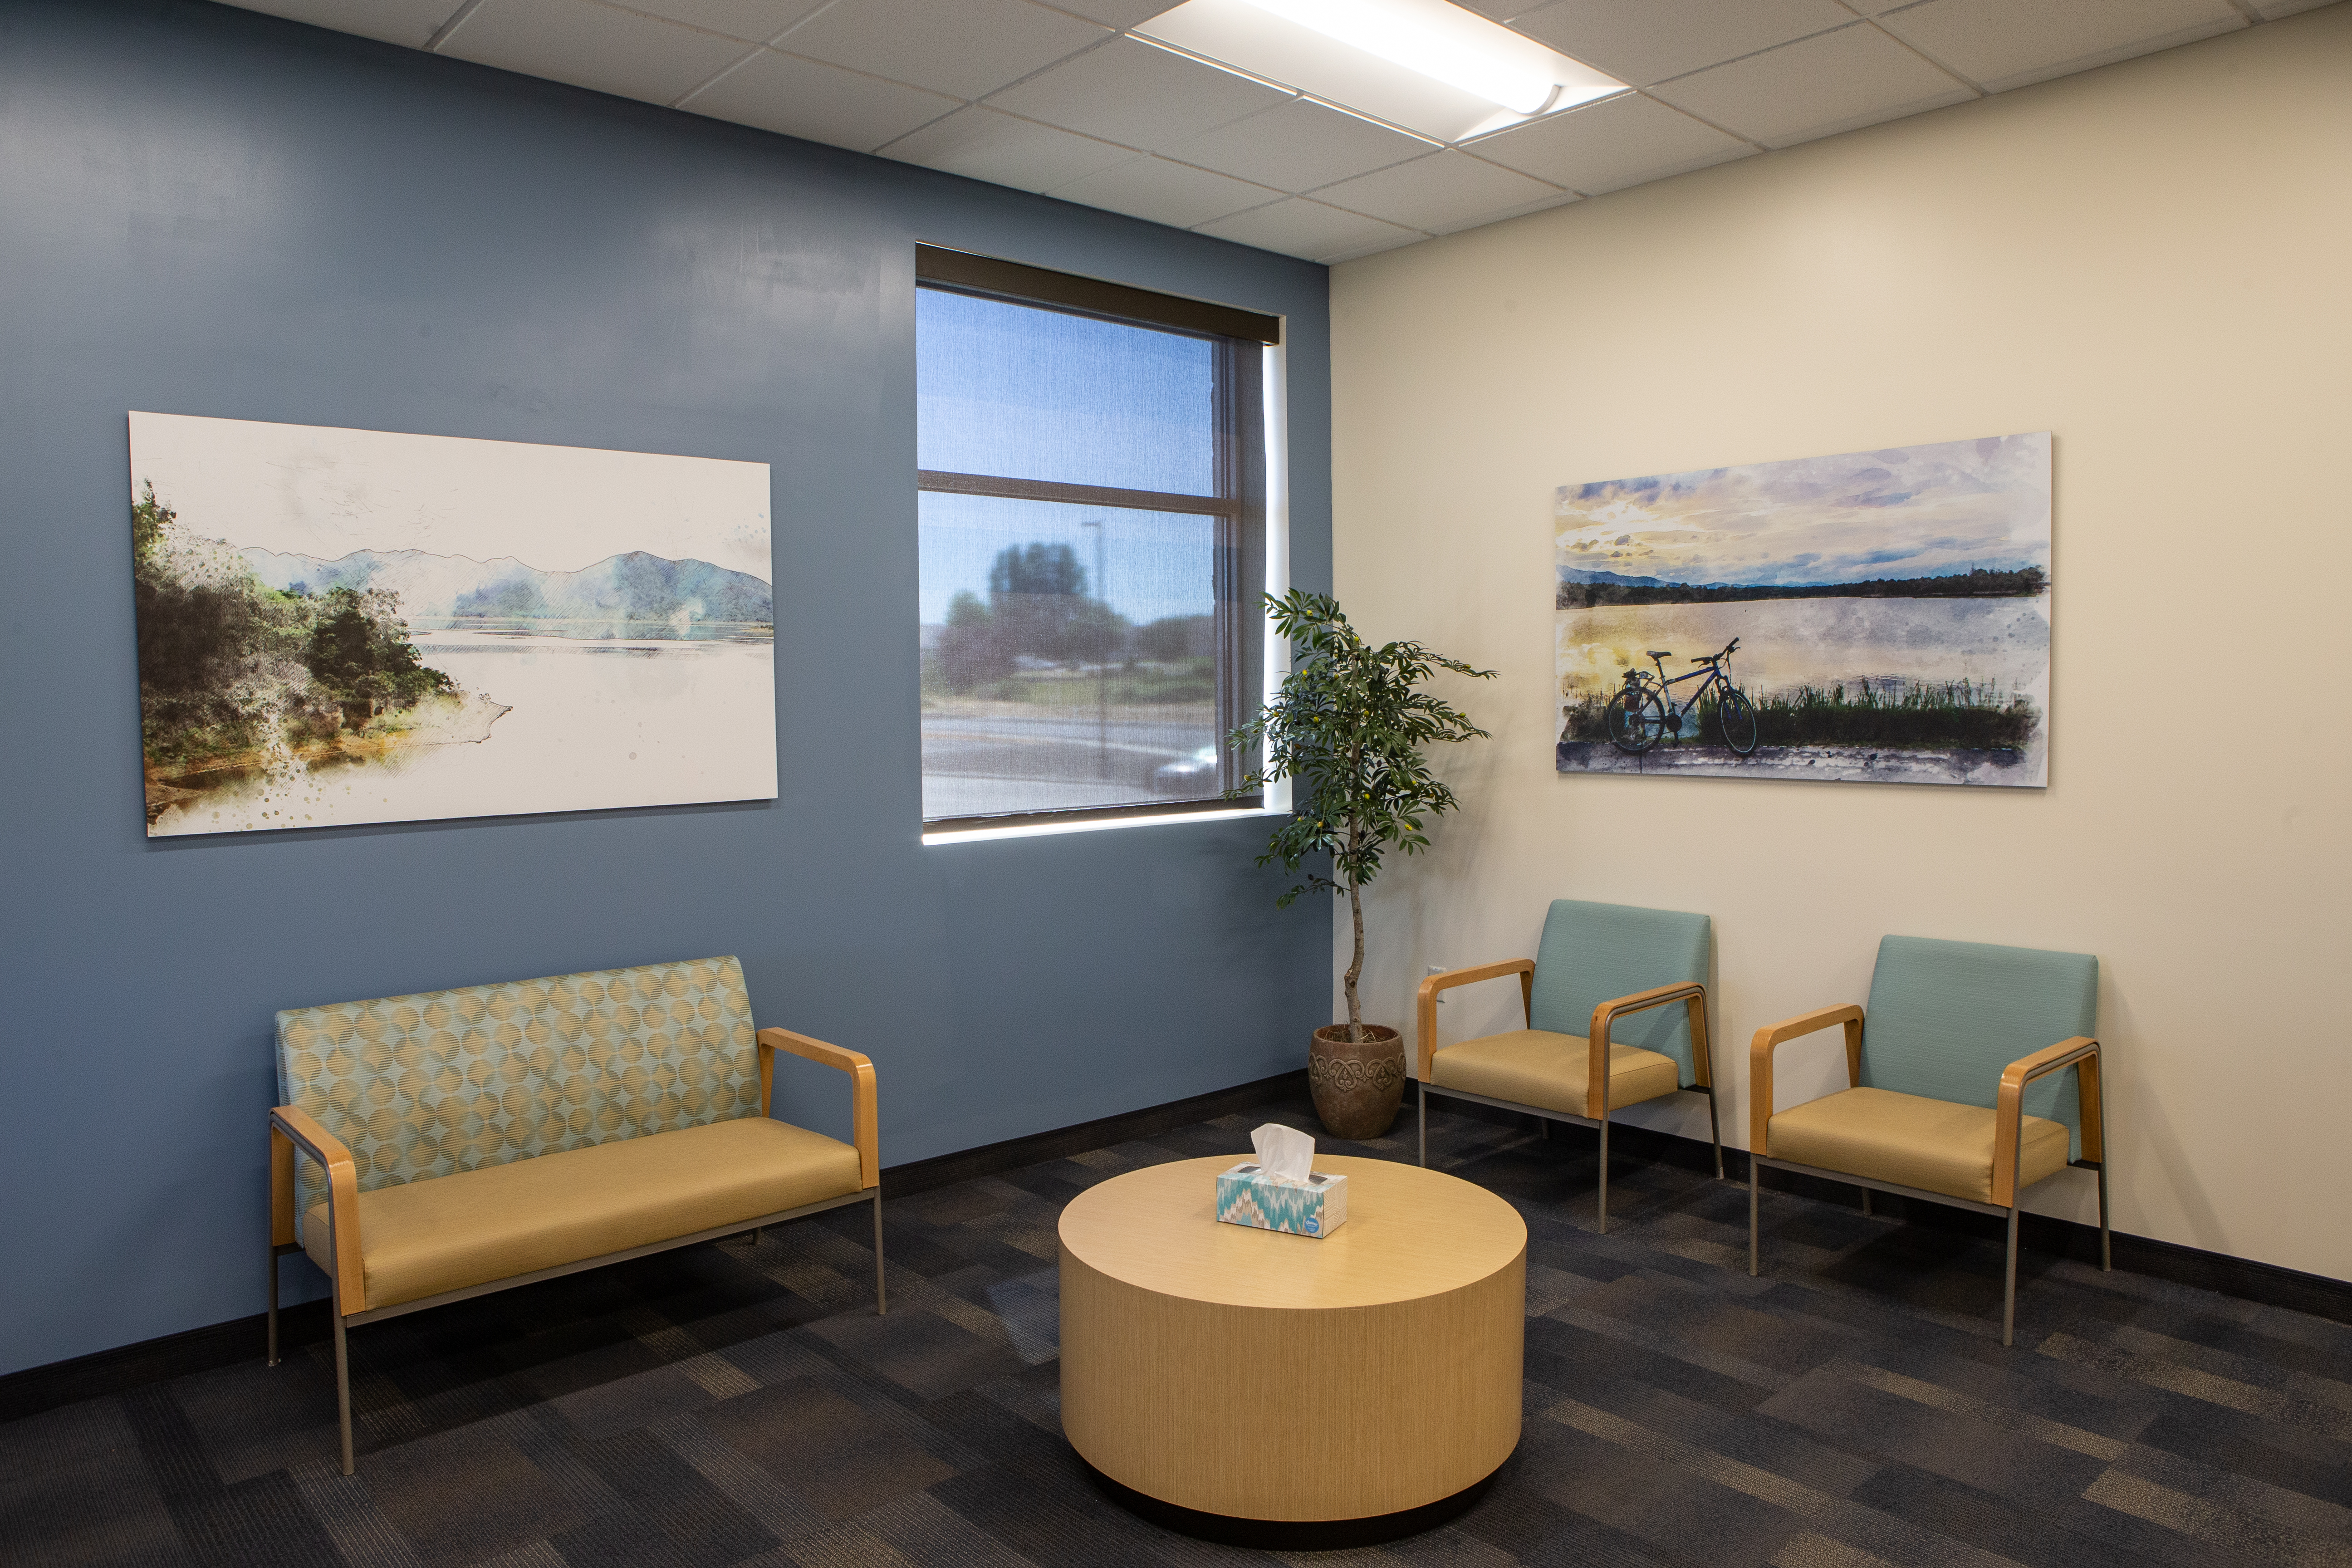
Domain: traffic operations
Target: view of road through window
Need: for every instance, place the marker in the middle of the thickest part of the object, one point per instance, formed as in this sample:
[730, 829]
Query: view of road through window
[1072, 662]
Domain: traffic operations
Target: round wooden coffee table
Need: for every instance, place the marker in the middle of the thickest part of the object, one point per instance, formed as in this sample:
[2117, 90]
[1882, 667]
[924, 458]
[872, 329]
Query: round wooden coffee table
[1252, 1376]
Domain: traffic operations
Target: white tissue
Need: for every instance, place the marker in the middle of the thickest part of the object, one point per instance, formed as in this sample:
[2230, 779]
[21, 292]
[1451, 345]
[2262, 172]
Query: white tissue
[1284, 1153]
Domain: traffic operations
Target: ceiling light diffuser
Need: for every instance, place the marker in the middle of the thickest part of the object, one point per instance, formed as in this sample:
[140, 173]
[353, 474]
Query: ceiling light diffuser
[1424, 65]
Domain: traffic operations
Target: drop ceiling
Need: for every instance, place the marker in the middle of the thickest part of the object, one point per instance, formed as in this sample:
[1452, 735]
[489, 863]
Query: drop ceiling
[1062, 99]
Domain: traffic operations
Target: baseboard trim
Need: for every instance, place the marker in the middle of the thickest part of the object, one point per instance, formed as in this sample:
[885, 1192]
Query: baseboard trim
[126, 1367]
[2241, 1277]
[995, 1159]
[101, 1373]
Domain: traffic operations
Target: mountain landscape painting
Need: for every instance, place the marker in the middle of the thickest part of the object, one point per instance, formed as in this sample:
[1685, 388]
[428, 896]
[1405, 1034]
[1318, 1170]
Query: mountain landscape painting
[341, 627]
[1875, 616]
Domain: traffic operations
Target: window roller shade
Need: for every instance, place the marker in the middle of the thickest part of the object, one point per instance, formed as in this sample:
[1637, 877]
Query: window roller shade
[1035, 286]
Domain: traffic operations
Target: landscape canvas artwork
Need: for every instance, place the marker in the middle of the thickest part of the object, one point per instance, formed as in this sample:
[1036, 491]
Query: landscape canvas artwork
[1880, 616]
[341, 627]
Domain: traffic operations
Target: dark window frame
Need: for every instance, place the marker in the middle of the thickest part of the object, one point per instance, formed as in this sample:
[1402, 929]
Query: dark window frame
[1236, 510]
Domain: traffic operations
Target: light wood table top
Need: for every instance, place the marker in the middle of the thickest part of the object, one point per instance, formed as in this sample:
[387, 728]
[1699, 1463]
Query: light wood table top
[1409, 1233]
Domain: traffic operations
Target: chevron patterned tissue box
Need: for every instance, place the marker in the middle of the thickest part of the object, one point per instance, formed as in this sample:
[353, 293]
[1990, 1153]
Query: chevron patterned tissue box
[1250, 1195]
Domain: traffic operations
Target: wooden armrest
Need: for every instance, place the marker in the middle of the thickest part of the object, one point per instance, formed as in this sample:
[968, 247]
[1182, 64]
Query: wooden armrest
[2009, 1111]
[1692, 994]
[864, 1117]
[292, 1128]
[1524, 968]
[1767, 1040]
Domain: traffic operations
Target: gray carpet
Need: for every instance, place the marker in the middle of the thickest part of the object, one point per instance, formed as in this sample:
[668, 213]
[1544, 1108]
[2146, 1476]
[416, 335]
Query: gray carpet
[730, 1404]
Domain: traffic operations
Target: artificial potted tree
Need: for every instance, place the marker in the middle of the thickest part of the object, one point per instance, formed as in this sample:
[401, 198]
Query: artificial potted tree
[1347, 728]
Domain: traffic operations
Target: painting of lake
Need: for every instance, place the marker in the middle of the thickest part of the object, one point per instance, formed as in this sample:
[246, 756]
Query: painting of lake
[1875, 616]
[341, 627]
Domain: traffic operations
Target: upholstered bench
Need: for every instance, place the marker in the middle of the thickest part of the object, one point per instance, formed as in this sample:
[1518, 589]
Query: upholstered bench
[458, 1142]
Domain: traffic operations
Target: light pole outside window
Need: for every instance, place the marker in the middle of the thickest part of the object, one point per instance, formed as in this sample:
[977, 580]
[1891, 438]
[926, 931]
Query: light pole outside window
[1102, 653]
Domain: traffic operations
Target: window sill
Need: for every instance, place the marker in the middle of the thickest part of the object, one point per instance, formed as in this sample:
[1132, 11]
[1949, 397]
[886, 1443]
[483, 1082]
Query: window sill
[1098, 825]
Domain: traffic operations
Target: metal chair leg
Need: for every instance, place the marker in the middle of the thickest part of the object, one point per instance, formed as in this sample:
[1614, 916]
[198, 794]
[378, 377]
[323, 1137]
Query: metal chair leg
[1604, 1172]
[1753, 1248]
[2008, 1286]
[2106, 1258]
[343, 1381]
[881, 1298]
[273, 1304]
[1424, 1125]
[1715, 1134]
[1865, 1202]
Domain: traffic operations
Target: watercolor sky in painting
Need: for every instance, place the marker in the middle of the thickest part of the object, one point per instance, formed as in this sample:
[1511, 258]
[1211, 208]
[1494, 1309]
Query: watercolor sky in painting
[1913, 511]
[303, 489]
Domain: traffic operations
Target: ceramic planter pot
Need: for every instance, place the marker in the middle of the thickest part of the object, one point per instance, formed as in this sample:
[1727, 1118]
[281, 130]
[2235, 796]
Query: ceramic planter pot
[1358, 1084]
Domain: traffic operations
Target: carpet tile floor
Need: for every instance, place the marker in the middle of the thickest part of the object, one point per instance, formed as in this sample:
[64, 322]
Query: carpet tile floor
[741, 1404]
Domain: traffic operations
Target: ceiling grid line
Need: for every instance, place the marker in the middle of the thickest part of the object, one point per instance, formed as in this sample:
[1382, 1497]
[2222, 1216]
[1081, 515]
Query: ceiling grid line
[1756, 54]
[1071, 99]
[982, 101]
[1644, 92]
[1884, 32]
[457, 19]
[729, 69]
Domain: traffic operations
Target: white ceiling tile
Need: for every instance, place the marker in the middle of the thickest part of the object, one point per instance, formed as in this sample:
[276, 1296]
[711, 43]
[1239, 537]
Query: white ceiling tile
[1440, 190]
[985, 146]
[1300, 228]
[1115, 12]
[755, 21]
[1819, 87]
[592, 46]
[1165, 192]
[1359, 252]
[1519, 209]
[967, 47]
[2271, 10]
[1135, 94]
[1643, 41]
[820, 102]
[1607, 146]
[1297, 146]
[409, 22]
[2001, 44]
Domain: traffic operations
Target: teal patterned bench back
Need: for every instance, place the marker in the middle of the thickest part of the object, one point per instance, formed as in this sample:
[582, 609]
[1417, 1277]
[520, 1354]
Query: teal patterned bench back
[1945, 1017]
[445, 1082]
[1594, 954]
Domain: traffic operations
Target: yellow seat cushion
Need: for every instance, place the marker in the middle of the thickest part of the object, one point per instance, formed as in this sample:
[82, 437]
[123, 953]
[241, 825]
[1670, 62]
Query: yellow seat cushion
[1535, 1067]
[1933, 1145]
[446, 1233]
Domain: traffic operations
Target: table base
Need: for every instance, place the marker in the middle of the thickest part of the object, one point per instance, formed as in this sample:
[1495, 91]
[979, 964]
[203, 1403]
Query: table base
[1290, 1534]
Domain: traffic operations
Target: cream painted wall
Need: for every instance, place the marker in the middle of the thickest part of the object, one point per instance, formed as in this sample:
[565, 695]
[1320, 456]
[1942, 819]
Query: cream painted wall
[2152, 260]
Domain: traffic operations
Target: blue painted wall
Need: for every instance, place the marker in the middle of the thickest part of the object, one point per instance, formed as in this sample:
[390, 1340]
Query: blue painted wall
[206, 211]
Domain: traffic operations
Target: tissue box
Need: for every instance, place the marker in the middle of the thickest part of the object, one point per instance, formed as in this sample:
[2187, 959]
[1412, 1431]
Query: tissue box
[1247, 1195]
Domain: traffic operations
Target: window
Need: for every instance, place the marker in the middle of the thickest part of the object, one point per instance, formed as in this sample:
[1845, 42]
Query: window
[1093, 543]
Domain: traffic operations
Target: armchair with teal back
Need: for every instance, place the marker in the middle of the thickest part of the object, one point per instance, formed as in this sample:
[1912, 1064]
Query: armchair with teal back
[1615, 1003]
[1957, 1086]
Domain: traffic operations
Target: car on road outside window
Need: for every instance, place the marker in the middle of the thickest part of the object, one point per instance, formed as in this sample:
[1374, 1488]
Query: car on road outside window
[1195, 776]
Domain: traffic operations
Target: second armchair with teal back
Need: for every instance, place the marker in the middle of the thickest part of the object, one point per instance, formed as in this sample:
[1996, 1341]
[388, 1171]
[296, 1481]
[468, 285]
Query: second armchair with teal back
[1615, 1003]
[1957, 1085]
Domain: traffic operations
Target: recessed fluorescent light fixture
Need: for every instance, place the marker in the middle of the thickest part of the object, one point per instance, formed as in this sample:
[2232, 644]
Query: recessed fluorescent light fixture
[1429, 67]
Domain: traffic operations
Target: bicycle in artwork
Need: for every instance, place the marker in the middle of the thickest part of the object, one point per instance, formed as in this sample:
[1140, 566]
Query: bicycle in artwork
[1644, 711]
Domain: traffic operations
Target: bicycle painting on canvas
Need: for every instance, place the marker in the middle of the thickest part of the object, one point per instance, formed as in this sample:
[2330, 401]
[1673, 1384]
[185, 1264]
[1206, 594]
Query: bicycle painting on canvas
[1887, 613]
